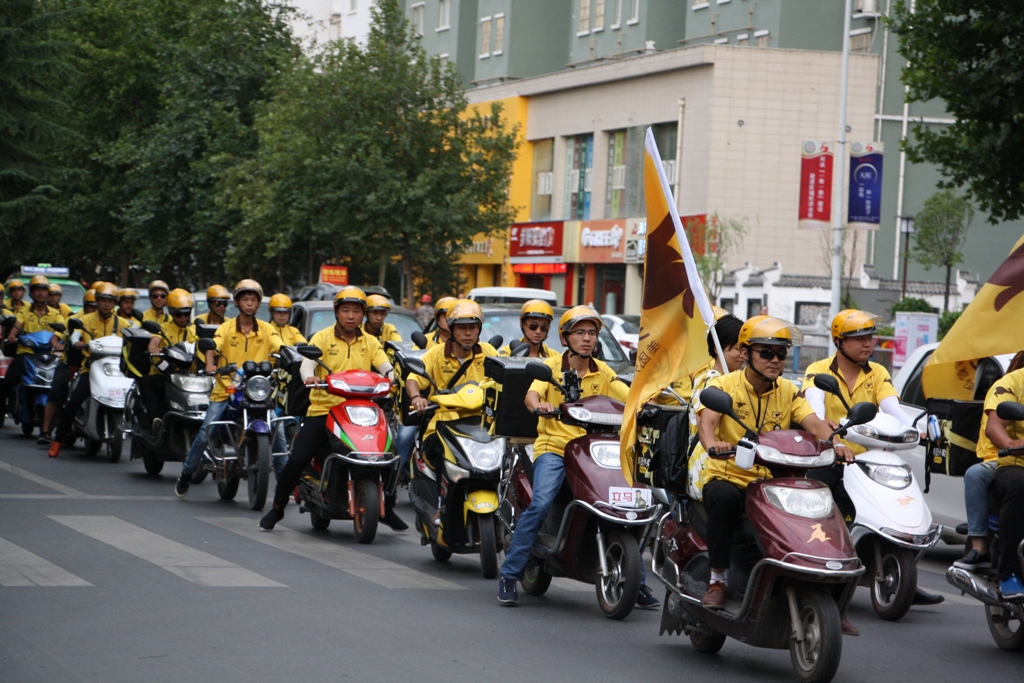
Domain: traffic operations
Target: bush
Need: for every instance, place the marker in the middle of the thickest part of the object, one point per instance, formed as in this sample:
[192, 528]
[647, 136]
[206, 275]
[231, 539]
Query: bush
[946, 321]
[911, 305]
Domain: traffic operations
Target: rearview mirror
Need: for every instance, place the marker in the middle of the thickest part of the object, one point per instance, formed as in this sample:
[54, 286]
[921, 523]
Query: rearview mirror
[309, 351]
[538, 371]
[415, 366]
[207, 345]
[496, 341]
[205, 331]
[419, 339]
[515, 346]
[58, 327]
[860, 413]
[151, 326]
[717, 400]
[137, 315]
[828, 384]
[1010, 411]
[75, 324]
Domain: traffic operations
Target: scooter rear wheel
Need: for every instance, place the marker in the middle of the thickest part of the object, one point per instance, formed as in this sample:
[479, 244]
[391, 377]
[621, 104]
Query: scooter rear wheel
[92, 446]
[816, 659]
[708, 642]
[227, 489]
[893, 594]
[115, 437]
[440, 554]
[1006, 626]
[618, 590]
[319, 522]
[258, 463]
[367, 510]
[27, 428]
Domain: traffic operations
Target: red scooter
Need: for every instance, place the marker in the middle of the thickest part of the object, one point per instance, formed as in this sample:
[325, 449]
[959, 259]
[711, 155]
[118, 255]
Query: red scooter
[594, 531]
[793, 567]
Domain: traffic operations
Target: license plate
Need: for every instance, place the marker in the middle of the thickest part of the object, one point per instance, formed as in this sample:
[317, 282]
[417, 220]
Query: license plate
[625, 497]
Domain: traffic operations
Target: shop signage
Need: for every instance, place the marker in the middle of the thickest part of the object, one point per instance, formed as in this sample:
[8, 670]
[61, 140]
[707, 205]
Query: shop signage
[816, 185]
[596, 241]
[540, 268]
[865, 205]
[636, 240]
[536, 242]
[334, 275]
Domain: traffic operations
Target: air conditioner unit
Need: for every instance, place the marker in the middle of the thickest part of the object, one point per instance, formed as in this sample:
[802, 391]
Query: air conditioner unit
[866, 6]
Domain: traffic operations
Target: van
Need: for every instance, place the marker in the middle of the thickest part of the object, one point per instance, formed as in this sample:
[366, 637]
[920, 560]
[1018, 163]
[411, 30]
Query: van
[511, 295]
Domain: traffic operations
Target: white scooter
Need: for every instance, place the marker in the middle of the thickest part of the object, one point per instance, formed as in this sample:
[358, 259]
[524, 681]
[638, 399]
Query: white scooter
[99, 420]
[893, 527]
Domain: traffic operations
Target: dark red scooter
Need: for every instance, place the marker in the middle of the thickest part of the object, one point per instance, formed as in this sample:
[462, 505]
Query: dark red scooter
[594, 531]
[793, 567]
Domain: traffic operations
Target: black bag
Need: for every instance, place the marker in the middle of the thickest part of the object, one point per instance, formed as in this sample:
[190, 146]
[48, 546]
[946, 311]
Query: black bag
[955, 451]
[661, 450]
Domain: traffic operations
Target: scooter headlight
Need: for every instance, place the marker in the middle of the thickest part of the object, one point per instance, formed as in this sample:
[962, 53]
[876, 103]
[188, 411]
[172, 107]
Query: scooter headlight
[258, 389]
[583, 415]
[891, 476]
[482, 456]
[192, 384]
[606, 454]
[112, 370]
[363, 416]
[774, 455]
[813, 503]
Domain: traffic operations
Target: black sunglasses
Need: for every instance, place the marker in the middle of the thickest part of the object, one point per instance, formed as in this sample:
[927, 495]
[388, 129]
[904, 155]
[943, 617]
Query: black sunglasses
[533, 327]
[768, 354]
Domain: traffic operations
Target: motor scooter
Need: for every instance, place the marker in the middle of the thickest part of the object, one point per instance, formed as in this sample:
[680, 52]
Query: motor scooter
[1005, 617]
[468, 483]
[99, 419]
[793, 566]
[599, 522]
[893, 527]
[187, 397]
[25, 404]
[351, 480]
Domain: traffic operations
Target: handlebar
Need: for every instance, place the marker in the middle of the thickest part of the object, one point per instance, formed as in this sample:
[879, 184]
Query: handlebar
[553, 413]
[1012, 451]
[721, 455]
[432, 406]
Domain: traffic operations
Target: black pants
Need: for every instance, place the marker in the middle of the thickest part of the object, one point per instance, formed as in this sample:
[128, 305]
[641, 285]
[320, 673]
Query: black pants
[1009, 493]
[724, 503]
[833, 478]
[153, 392]
[312, 438]
[14, 372]
[62, 376]
[79, 395]
[433, 453]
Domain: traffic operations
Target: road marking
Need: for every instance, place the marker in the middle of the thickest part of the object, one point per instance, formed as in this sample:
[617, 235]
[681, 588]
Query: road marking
[365, 566]
[19, 567]
[85, 496]
[42, 481]
[181, 560]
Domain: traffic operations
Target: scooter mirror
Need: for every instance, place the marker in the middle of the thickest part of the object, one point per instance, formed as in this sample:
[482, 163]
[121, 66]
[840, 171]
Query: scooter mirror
[538, 371]
[75, 324]
[632, 356]
[827, 383]
[1010, 411]
[151, 326]
[717, 400]
[860, 413]
[496, 341]
[8, 321]
[205, 331]
[58, 327]
[415, 366]
[515, 346]
[207, 345]
[309, 351]
[626, 378]
[419, 339]
[137, 315]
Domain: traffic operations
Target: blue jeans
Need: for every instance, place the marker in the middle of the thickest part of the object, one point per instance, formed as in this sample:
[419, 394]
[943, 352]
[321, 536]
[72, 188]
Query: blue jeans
[279, 445]
[548, 475]
[977, 480]
[404, 441]
[214, 412]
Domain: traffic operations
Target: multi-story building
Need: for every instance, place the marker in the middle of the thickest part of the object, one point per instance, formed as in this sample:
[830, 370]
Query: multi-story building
[325, 20]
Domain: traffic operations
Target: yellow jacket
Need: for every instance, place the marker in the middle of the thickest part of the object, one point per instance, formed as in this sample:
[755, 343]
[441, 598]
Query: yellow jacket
[441, 366]
[151, 314]
[30, 322]
[236, 346]
[545, 351]
[388, 332]
[94, 327]
[365, 353]
[290, 335]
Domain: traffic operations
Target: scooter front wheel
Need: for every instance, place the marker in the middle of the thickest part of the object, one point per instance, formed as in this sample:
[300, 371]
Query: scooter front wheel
[488, 546]
[816, 658]
[1007, 627]
[895, 582]
[115, 437]
[617, 590]
[367, 510]
[535, 581]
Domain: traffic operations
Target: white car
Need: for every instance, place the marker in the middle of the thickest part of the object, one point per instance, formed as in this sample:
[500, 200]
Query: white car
[510, 295]
[945, 495]
[625, 329]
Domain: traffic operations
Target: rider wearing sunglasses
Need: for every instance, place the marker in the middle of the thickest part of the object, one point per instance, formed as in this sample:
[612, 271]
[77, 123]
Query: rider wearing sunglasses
[217, 298]
[535, 322]
[158, 293]
[766, 401]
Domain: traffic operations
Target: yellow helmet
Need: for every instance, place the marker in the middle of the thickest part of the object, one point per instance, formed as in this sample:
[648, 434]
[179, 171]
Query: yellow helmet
[376, 302]
[854, 323]
[350, 295]
[158, 284]
[465, 312]
[764, 329]
[535, 308]
[443, 304]
[90, 297]
[54, 288]
[179, 300]
[15, 283]
[280, 302]
[247, 285]
[106, 291]
[216, 292]
[39, 281]
[127, 293]
[575, 315]
[719, 312]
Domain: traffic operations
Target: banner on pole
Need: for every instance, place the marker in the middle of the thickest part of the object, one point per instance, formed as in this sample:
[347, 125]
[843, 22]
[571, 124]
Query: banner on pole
[865, 198]
[816, 186]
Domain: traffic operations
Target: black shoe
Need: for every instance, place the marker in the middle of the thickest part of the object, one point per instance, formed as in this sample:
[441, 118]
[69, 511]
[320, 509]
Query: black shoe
[922, 597]
[181, 486]
[273, 516]
[44, 438]
[646, 600]
[392, 519]
[507, 593]
[974, 560]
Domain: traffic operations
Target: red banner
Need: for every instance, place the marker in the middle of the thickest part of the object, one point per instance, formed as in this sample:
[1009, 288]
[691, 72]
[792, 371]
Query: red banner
[535, 242]
[334, 275]
[816, 185]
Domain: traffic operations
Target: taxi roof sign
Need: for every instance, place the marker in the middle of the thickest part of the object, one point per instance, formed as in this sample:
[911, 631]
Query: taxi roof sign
[45, 269]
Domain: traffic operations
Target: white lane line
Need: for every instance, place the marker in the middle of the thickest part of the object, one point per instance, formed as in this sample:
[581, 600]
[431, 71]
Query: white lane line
[365, 566]
[181, 560]
[42, 481]
[19, 567]
[86, 496]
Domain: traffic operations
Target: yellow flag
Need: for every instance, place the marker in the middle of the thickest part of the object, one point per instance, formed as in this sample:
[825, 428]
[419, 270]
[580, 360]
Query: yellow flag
[990, 325]
[674, 306]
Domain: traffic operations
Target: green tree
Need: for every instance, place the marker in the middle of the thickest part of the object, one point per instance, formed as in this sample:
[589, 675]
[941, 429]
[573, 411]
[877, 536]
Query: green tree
[969, 55]
[370, 152]
[912, 305]
[940, 232]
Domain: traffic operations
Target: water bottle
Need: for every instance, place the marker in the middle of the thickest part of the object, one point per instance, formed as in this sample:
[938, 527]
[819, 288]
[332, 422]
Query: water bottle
[934, 428]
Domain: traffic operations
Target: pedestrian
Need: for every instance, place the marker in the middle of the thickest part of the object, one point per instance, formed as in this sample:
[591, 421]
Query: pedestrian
[425, 313]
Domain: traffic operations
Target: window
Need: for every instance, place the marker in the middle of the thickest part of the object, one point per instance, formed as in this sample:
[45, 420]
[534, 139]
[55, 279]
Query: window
[444, 14]
[485, 37]
[743, 39]
[499, 34]
[762, 38]
[353, 5]
[580, 166]
[543, 164]
[599, 15]
[615, 203]
[634, 12]
[860, 40]
[335, 28]
[443, 58]
[545, 183]
[617, 15]
[417, 18]
[583, 26]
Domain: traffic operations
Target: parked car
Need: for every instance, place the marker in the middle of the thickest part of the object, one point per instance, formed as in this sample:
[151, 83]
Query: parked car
[312, 316]
[510, 295]
[625, 329]
[325, 292]
[945, 495]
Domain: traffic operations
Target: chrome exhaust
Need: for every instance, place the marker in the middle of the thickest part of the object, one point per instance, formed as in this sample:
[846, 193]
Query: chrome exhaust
[976, 586]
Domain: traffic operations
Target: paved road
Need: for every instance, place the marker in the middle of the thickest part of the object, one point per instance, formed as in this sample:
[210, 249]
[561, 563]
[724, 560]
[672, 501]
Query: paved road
[105, 576]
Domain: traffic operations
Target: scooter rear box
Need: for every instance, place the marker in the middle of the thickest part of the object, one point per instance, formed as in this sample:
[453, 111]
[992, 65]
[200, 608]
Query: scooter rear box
[505, 412]
[135, 359]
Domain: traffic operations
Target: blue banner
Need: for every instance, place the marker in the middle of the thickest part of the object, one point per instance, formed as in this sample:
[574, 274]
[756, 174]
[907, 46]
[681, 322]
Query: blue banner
[865, 200]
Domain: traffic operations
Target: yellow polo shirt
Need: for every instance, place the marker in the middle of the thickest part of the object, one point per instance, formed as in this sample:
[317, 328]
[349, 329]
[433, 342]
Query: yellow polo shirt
[781, 407]
[441, 366]
[30, 322]
[204, 319]
[94, 327]
[237, 347]
[151, 314]
[545, 350]
[433, 339]
[365, 353]
[1010, 387]
[388, 332]
[599, 380]
[290, 335]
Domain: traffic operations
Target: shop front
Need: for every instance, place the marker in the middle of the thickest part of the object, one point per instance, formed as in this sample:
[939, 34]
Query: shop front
[485, 263]
[598, 248]
[535, 252]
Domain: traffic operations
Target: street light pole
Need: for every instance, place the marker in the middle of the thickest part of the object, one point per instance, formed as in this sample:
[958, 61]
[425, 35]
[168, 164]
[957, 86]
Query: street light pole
[840, 161]
[907, 229]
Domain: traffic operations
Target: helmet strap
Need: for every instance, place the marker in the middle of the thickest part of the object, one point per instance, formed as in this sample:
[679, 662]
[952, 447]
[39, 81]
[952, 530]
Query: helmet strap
[750, 364]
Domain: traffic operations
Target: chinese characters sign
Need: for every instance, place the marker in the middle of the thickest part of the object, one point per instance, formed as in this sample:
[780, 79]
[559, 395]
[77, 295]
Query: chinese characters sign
[816, 185]
[536, 242]
[865, 200]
